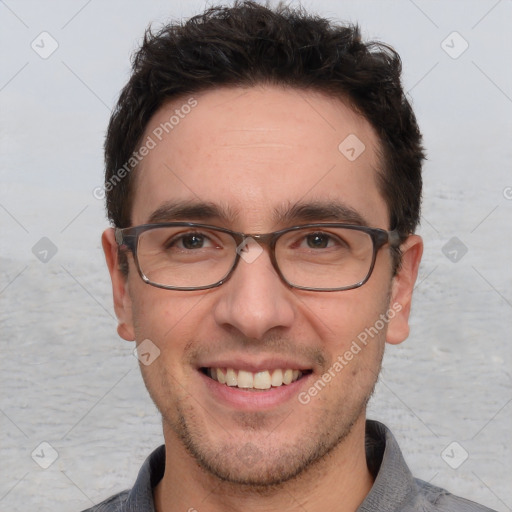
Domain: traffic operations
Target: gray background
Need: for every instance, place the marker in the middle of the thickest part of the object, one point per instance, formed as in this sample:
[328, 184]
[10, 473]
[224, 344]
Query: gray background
[68, 380]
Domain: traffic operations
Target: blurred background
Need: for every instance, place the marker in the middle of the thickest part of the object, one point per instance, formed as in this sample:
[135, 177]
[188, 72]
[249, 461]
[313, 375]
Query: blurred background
[76, 421]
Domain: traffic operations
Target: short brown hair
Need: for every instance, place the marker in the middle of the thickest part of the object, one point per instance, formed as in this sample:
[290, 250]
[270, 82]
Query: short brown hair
[248, 44]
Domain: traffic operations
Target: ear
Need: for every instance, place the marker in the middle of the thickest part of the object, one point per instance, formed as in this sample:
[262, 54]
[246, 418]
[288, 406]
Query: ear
[402, 288]
[122, 300]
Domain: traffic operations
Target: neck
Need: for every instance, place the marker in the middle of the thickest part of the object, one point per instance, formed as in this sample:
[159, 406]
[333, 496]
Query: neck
[340, 481]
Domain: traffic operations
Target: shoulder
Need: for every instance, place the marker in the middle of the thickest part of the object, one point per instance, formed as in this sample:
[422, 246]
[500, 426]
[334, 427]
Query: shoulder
[140, 496]
[113, 504]
[436, 499]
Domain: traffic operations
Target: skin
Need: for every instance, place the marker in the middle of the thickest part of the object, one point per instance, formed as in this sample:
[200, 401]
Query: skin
[251, 151]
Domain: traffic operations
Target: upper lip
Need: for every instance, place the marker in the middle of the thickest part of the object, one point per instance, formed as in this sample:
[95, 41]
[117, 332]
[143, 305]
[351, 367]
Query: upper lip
[253, 365]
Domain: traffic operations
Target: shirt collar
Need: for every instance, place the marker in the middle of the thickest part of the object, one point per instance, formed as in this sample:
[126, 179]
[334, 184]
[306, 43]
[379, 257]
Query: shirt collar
[394, 483]
[140, 498]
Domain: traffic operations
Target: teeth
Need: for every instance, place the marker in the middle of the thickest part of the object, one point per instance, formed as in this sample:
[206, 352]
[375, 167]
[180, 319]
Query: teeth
[248, 380]
[277, 378]
[221, 376]
[262, 380]
[245, 379]
[231, 377]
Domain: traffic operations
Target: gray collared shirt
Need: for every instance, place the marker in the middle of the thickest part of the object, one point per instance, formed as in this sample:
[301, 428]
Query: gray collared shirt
[394, 489]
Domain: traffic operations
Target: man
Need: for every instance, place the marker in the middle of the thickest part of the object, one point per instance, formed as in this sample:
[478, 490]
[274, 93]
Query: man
[263, 176]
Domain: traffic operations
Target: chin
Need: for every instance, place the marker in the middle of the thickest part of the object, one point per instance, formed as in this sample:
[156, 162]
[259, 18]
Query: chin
[249, 467]
[253, 462]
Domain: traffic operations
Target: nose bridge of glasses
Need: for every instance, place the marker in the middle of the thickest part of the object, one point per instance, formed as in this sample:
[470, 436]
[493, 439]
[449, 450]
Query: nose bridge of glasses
[250, 246]
[257, 242]
[266, 239]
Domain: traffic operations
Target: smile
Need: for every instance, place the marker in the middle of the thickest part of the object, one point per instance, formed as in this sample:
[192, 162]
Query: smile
[258, 381]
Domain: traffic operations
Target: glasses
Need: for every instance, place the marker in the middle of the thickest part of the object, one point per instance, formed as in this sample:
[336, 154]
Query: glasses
[317, 257]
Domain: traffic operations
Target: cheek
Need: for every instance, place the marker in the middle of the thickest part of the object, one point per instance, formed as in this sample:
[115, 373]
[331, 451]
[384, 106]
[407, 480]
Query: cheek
[168, 322]
[339, 318]
[158, 312]
[164, 318]
[343, 318]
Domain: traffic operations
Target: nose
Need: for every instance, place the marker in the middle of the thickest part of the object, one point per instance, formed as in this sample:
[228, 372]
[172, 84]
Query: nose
[255, 300]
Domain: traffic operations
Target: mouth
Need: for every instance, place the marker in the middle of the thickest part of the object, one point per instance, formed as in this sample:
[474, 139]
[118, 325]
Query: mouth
[255, 381]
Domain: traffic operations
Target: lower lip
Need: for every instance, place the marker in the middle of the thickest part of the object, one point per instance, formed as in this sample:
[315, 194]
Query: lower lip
[252, 400]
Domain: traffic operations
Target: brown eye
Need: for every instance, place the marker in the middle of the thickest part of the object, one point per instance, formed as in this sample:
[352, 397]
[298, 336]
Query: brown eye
[317, 240]
[192, 241]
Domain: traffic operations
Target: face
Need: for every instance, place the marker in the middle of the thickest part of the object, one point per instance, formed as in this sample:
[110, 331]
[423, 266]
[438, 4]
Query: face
[255, 155]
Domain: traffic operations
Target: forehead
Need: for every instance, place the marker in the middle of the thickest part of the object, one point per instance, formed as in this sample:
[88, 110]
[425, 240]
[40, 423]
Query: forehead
[256, 150]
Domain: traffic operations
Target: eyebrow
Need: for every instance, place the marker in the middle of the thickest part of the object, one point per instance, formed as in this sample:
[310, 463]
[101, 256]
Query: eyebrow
[302, 212]
[191, 210]
[319, 211]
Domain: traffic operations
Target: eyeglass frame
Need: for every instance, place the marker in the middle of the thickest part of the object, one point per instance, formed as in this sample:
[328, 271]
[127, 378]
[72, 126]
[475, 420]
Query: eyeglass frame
[129, 237]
